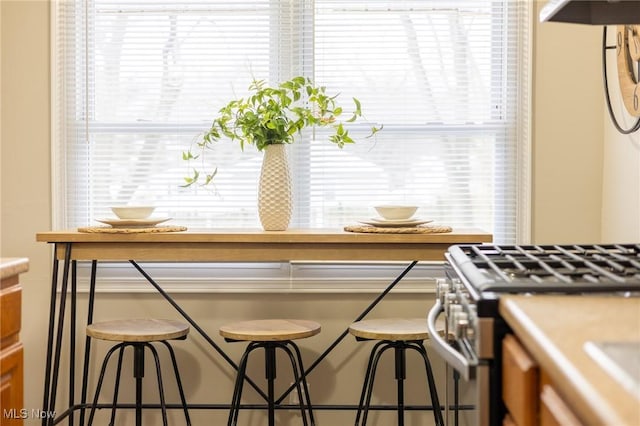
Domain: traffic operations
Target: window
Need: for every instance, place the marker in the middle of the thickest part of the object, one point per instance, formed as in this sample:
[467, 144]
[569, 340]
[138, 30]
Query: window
[136, 82]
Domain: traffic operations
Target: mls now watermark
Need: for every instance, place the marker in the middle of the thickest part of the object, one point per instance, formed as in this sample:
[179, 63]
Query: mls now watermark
[24, 413]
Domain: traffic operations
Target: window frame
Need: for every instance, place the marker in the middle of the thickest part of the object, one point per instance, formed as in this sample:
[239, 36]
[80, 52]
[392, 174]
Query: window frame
[293, 276]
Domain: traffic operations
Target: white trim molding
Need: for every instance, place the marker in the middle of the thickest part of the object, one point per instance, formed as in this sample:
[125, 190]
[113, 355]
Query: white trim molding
[293, 277]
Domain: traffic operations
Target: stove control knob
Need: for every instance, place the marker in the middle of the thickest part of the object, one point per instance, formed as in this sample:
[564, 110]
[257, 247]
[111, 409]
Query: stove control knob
[454, 315]
[462, 326]
[470, 334]
[442, 289]
[459, 323]
[450, 300]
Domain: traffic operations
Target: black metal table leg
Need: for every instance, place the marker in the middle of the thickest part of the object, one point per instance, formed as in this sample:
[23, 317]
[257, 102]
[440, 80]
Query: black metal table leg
[51, 373]
[87, 342]
[49, 356]
[72, 338]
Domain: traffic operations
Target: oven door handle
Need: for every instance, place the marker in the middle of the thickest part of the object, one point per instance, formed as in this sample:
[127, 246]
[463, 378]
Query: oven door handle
[453, 358]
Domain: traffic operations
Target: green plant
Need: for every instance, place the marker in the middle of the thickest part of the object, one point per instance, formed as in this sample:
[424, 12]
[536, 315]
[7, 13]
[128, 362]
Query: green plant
[274, 115]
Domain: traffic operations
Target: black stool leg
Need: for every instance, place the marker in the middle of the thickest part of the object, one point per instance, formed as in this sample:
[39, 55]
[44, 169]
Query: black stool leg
[401, 374]
[237, 390]
[138, 373]
[103, 369]
[296, 378]
[305, 386]
[163, 405]
[116, 387]
[363, 394]
[179, 382]
[372, 380]
[435, 402]
[270, 375]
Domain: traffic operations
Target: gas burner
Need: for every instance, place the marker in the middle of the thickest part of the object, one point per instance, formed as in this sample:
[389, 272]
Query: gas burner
[549, 268]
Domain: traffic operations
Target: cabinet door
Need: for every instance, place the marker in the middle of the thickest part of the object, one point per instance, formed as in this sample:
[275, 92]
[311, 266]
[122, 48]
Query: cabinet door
[11, 385]
[10, 311]
[554, 411]
[519, 383]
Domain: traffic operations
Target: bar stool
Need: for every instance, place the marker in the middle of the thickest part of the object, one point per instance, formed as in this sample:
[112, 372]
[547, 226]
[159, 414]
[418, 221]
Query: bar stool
[139, 334]
[400, 334]
[271, 334]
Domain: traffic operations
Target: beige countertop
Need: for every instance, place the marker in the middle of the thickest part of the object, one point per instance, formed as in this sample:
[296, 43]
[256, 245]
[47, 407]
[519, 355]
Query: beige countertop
[10, 266]
[555, 329]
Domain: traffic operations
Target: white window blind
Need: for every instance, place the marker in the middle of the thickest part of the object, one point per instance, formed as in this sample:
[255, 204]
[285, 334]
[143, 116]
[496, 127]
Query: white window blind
[136, 82]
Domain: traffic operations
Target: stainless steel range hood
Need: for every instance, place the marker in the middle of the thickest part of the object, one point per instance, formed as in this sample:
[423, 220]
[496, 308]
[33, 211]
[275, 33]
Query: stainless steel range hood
[596, 12]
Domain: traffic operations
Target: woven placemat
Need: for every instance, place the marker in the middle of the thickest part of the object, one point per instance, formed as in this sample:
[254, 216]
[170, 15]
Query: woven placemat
[426, 229]
[111, 230]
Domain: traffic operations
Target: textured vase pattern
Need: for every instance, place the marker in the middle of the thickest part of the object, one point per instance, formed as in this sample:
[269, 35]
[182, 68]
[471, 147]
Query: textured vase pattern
[274, 190]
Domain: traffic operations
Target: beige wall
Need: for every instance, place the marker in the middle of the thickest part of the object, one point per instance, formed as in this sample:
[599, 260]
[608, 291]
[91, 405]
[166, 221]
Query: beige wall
[570, 167]
[621, 172]
[25, 169]
[567, 133]
[621, 186]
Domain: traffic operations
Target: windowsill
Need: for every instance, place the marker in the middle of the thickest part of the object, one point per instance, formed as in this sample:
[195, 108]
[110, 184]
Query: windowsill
[293, 277]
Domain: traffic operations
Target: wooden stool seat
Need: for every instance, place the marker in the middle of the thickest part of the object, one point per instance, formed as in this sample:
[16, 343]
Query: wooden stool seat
[268, 330]
[138, 330]
[391, 329]
[396, 329]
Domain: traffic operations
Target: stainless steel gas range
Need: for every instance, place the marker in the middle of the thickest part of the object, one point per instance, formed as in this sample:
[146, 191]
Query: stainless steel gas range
[478, 275]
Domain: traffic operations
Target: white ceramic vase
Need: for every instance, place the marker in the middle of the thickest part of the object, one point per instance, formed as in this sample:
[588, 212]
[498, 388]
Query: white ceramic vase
[274, 190]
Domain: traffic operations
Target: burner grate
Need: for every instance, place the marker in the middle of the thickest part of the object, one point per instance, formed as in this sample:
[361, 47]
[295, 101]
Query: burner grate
[552, 268]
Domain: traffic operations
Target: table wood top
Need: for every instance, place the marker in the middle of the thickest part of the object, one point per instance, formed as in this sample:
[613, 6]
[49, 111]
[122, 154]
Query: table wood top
[297, 235]
[258, 245]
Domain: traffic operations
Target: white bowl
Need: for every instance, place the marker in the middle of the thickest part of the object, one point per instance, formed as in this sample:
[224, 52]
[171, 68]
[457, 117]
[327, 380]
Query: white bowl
[133, 212]
[395, 212]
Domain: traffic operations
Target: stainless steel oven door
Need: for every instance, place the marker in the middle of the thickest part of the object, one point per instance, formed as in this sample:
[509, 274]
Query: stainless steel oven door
[457, 357]
[467, 379]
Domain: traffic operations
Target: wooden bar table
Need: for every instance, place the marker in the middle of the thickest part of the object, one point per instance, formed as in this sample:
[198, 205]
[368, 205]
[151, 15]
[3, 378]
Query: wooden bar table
[213, 245]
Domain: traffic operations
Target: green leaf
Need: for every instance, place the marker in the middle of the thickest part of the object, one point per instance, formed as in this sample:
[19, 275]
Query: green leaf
[375, 129]
[347, 139]
[358, 107]
[191, 180]
[187, 155]
[210, 176]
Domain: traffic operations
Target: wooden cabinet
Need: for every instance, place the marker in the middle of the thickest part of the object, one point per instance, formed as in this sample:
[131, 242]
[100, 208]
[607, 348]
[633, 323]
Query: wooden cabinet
[527, 392]
[11, 352]
[519, 383]
[554, 411]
